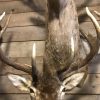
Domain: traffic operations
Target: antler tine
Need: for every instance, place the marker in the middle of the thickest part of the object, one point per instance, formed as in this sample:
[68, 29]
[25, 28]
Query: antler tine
[93, 19]
[94, 47]
[34, 69]
[97, 13]
[6, 59]
[92, 41]
[7, 22]
[2, 16]
[34, 55]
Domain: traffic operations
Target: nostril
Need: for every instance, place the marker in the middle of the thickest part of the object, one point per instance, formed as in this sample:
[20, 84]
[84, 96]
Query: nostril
[32, 94]
[31, 90]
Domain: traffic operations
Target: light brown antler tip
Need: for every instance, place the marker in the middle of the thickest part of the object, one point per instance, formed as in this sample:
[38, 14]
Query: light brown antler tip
[2, 16]
[93, 19]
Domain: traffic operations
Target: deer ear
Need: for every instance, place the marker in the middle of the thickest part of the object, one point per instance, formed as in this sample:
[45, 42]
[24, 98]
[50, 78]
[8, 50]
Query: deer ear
[72, 81]
[20, 82]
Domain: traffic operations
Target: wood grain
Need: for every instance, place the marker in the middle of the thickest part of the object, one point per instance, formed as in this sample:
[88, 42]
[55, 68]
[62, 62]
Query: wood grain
[25, 19]
[15, 97]
[87, 25]
[22, 6]
[38, 18]
[87, 3]
[94, 66]
[27, 97]
[18, 34]
[82, 97]
[23, 49]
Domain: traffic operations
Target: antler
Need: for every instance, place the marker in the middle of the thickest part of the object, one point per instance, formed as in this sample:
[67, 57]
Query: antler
[97, 13]
[93, 43]
[5, 59]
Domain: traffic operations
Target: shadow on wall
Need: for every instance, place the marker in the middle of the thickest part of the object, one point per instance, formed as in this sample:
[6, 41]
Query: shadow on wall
[39, 7]
[36, 5]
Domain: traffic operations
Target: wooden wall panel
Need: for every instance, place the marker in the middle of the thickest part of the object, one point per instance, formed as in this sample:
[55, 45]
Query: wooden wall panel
[88, 25]
[94, 66]
[27, 97]
[23, 49]
[81, 3]
[22, 6]
[24, 34]
[38, 18]
[82, 97]
[14, 96]
[25, 19]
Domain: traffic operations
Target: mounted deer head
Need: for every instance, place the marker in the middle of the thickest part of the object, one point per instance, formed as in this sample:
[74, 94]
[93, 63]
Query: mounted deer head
[64, 66]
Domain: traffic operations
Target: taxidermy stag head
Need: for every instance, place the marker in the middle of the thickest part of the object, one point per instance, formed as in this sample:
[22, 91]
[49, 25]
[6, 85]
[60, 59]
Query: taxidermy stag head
[64, 61]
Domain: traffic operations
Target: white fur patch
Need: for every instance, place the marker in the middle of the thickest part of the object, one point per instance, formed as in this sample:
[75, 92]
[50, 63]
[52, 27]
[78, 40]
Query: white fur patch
[72, 81]
[20, 82]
